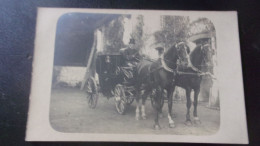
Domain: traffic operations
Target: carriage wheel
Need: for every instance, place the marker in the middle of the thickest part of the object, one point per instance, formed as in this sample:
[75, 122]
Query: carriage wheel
[120, 99]
[92, 100]
[92, 94]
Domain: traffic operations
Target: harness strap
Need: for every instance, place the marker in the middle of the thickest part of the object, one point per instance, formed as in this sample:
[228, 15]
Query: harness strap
[164, 65]
[195, 69]
[201, 73]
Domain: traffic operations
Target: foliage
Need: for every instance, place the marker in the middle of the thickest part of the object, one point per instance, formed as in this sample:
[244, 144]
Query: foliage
[174, 29]
[137, 33]
[113, 35]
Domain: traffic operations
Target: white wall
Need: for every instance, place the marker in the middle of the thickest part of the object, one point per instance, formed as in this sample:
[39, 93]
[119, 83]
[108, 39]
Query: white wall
[72, 76]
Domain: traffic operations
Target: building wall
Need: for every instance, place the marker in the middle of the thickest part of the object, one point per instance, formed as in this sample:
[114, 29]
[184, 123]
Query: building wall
[68, 75]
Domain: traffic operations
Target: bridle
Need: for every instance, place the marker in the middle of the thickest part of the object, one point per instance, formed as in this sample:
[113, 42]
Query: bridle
[204, 56]
[200, 73]
[165, 66]
[178, 54]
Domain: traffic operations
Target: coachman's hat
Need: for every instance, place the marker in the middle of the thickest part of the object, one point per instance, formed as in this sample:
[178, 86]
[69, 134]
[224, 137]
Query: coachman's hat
[160, 49]
[132, 41]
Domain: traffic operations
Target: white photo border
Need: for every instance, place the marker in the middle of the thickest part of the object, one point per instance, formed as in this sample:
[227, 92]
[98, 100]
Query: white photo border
[233, 126]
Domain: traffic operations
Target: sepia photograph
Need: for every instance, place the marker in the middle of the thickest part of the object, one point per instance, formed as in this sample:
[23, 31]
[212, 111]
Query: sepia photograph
[136, 75]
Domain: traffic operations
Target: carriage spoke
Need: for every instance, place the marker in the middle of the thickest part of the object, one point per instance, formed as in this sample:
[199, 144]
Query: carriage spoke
[92, 96]
[120, 99]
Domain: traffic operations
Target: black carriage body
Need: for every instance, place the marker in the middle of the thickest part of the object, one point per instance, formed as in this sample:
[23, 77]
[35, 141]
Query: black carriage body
[107, 70]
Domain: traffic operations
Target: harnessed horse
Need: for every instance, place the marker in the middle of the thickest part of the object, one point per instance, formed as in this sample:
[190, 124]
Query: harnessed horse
[190, 77]
[159, 75]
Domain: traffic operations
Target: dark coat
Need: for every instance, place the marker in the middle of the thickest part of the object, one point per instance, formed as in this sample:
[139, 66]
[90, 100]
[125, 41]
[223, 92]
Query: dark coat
[131, 54]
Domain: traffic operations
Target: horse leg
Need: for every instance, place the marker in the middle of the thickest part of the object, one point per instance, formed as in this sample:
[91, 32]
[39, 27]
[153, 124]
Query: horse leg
[144, 97]
[137, 111]
[169, 95]
[188, 104]
[196, 118]
[157, 108]
[162, 103]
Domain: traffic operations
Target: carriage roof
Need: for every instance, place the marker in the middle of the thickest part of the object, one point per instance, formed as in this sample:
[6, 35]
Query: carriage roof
[108, 54]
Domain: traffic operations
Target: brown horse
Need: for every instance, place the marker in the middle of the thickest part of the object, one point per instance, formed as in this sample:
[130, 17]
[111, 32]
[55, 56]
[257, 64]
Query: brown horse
[190, 77]
[159, 75]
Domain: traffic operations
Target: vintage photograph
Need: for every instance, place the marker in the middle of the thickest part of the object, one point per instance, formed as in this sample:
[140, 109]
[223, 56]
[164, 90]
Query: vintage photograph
[135, 74]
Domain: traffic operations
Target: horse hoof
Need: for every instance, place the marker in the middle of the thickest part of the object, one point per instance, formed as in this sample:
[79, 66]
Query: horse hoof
[197, 122]
[157, 127]
[171, 125]
[188, 123]
[144, 117]
[137, 118]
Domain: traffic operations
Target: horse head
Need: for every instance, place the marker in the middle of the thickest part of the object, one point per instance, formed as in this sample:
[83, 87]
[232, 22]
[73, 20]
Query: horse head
[183, 52]
[207, 53]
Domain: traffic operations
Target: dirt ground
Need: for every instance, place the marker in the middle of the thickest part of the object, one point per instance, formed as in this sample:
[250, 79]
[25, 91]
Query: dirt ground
[69, 112]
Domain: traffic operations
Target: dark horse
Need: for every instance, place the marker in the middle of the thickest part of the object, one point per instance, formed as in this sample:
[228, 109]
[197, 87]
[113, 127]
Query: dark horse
[159, 75]
[190, 78]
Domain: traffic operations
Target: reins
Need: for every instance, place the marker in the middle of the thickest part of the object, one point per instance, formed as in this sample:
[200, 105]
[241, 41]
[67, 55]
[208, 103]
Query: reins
[199, 72]
[167, 68]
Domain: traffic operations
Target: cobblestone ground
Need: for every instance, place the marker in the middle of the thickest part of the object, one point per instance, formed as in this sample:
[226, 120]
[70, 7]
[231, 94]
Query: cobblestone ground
[69, 112]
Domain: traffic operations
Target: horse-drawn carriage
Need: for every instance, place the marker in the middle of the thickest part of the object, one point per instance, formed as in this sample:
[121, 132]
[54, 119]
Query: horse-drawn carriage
[113, 81]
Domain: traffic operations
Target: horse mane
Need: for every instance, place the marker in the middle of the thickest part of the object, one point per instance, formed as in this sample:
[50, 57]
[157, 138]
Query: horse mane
[195, 56]
[169, 59]
[169, 51]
